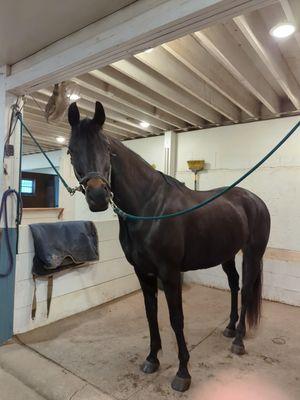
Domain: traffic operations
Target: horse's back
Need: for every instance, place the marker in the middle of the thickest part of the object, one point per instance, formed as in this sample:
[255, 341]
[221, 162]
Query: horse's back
[215, 233]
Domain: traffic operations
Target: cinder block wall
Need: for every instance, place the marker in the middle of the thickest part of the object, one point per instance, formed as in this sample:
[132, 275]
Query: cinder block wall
[74, 291]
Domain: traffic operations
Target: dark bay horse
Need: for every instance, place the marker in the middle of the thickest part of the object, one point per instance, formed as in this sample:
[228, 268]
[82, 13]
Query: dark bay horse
[204, 238]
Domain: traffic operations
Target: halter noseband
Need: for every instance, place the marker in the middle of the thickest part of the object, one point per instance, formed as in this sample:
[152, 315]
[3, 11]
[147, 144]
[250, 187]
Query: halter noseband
[95, 175]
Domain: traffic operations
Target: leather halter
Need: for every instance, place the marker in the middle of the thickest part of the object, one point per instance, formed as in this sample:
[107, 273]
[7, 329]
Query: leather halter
[95, 175]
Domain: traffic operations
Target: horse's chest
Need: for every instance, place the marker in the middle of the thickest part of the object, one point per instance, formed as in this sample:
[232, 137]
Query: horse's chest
[136, 250]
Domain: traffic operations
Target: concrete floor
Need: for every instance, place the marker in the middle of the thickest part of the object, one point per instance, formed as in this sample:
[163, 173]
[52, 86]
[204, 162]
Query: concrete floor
[96, 354]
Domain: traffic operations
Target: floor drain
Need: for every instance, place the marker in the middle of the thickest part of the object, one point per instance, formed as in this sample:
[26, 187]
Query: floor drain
[279, 340]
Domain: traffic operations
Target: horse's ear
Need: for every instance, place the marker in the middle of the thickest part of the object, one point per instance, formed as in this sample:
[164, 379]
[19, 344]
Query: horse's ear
[73, 115]
[99, 117]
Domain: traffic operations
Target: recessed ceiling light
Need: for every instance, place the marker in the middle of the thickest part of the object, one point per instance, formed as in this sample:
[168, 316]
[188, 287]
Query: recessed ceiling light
[148, 50]
[283, 30]
[74, 97]
[60, 139]
[144, 124]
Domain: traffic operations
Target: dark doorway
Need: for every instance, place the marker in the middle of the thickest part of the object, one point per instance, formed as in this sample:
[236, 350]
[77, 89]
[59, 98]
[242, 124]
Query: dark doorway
[39, 190]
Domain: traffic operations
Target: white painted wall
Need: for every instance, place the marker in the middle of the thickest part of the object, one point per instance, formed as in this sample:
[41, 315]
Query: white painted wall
[74, 291]
[230, 151]
[151, 149]
[38, 163]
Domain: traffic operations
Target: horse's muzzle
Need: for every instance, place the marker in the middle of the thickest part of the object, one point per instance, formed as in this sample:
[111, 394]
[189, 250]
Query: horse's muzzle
[97, 198]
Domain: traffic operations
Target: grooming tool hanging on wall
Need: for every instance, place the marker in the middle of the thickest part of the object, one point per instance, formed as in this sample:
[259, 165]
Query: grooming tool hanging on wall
[196, 166]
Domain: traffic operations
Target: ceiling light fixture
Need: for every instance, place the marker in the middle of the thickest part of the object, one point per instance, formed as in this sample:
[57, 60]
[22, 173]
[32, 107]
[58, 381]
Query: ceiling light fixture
[148, 50]
[60, 139]
[74, 97]
[144, 124]
[283, 30]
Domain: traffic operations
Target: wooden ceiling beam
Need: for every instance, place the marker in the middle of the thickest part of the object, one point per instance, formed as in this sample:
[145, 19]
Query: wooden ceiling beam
[119, 133]
[91, 82]
[220, 44]
[28, 141]
[115, 78]
[87, 112]
[291, 9]
[33, 113]
[27, 149]
[134, 28]
[54, 128]
[87, 105]
[45, 138]
[111, 104]
[119, 126]
[168, 66]
[90, 106]
[109, 126]
[46, 135]
[255, 31]
[138, 71]
[189, 51]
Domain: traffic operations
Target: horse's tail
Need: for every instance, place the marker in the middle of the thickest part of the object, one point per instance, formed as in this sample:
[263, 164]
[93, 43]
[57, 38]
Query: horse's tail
[255, 299]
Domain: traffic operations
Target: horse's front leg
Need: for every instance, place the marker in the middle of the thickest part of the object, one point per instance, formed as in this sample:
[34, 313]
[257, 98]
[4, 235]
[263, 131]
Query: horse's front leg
[173, 291]
[149, 288]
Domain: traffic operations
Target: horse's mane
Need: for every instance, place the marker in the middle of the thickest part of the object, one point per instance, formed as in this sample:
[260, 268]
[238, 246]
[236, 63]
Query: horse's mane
[172, 181]
[167, 178]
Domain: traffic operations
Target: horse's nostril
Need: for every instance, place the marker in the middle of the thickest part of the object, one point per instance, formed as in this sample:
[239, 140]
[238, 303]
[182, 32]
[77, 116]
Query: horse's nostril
[99, 194]
[97, 199]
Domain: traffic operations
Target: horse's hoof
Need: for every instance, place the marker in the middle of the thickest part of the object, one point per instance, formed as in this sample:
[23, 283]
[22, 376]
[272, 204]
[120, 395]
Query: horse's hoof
[149, 367]
[238, 349]
[230, 333]
[181, 384]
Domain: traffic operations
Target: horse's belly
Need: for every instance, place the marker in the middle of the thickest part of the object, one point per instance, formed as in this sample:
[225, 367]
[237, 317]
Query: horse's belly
[193, 265]
[202, 263]
[209, 253]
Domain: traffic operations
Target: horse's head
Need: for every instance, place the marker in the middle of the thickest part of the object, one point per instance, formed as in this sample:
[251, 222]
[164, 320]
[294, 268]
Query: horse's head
[90, 156]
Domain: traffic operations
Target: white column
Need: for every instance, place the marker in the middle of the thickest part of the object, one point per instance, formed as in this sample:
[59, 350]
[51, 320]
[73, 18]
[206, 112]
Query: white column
[170, 153]
[2, 124]
[67, 202]
[11, 164]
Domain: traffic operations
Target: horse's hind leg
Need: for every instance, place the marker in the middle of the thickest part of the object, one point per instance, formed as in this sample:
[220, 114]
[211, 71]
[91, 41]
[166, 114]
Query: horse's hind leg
[149, 288]
[233, 281]
[251, 297]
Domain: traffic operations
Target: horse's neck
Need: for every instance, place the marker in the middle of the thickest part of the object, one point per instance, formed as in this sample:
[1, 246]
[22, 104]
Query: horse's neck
[132, 179]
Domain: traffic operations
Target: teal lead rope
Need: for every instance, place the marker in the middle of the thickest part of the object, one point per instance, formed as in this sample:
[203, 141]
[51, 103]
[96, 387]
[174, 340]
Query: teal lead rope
[132, 217]
[125, 215]
[69, 189]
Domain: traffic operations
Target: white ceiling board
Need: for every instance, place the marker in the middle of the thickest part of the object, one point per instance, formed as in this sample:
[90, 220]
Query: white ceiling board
[290, 46]
[29, 26]
[291, 10]
[244, 44]
[256, 32]
[164, 87]
[134, 28]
